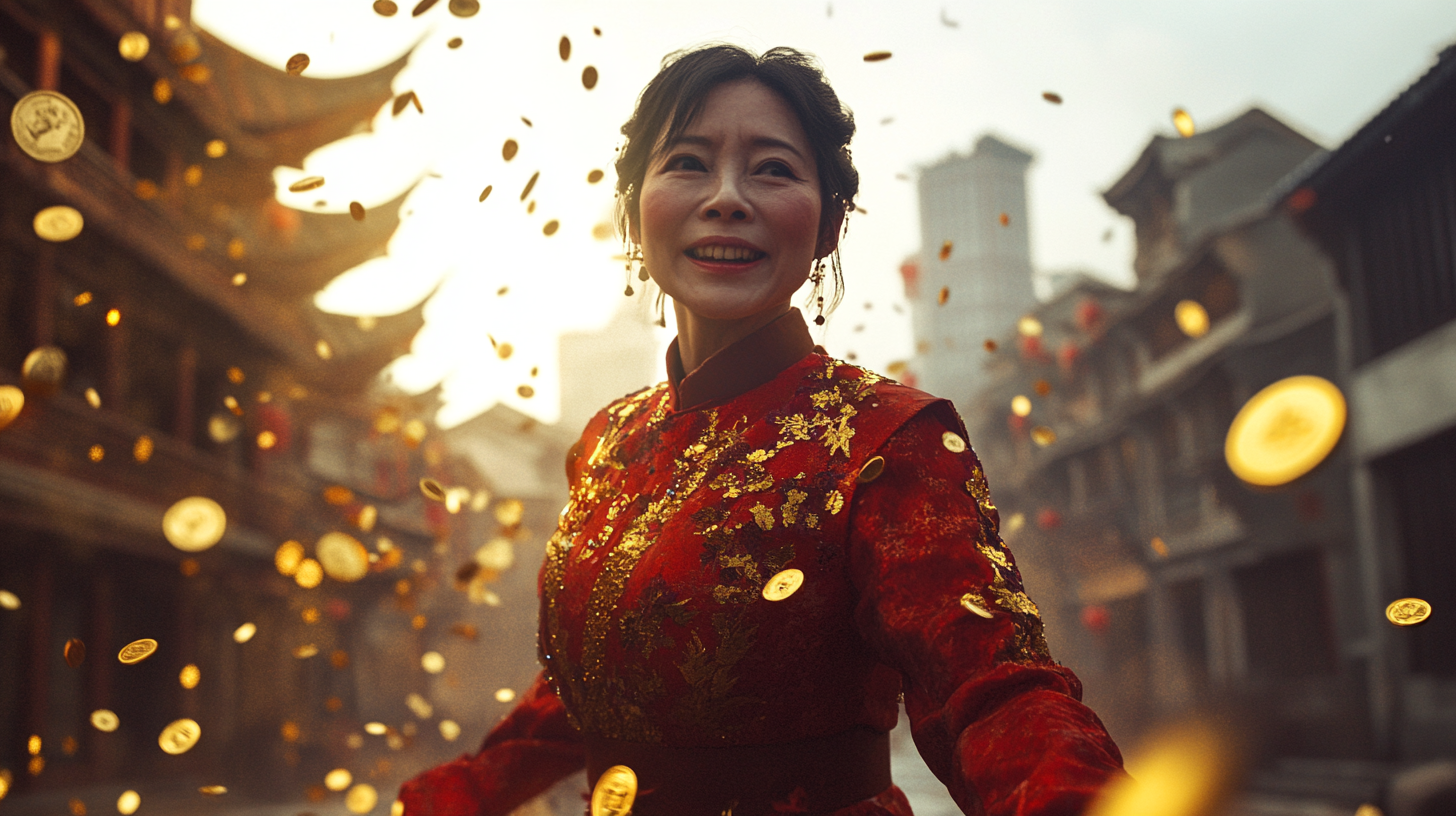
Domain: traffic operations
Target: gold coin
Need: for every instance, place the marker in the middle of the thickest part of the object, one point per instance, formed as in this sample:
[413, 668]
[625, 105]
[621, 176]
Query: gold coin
[245, 633]
[589, 77]
[212, 790]
[216, 148]
[12, 399]
[432, 489]
[385, 8]
[1191, 317]
[137, 651]
[303, 185]
[338, 779]
[356, 211]
[190, 676]
[343, 557]
[194, 524]
[422, 7]
[179, 736]
[58, 224]
[943, 296]
[361, 798]
[953, 442]
[310, 573]
[287, 557]
[223, 428]
[104, 719]
[296, 64]
[564, 48]
[1020, 405]
[74, 652]
[1408, 612]
[877, 56]
[1043, 436]
[43, 370]
[450, 730]
[1285, 430]
[783, 584]
[133, 46]
[464, 8]
[614, 792]
[47, 126]
[128, 802]
[432, 662]
[871, 470]
[525, 391]
[509, 512]
[1183, 122]
[1052, 97]
[9, 600]
[1029, 326]
[970, 602]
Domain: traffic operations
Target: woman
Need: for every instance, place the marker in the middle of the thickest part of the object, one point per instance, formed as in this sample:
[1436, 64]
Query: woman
[762, 554]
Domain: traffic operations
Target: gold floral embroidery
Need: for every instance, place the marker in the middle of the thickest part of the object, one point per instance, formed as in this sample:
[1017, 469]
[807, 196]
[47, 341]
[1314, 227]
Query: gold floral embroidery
[834, 502]
[790, 509]
[794, 427]
[763, 516]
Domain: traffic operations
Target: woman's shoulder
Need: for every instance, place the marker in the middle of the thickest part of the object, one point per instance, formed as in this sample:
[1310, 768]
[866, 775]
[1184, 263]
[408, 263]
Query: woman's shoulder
[874, 389]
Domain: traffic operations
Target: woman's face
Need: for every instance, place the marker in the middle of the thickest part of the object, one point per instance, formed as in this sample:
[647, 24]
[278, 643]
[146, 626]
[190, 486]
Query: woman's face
[729, 213]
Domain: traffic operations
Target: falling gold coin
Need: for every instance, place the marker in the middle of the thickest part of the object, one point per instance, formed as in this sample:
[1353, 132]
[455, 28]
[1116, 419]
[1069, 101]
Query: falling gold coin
[190, 676]
[550, 227]
[504, 695]
[953, 442]
[179, 736]
[12, 400]
[303, 185]
[432, 662]
[310, 573]
[871, 470]
[103, 719]
[943, 296]
[305, 651]
[356, 211]
[1052, 97]
[450, 730]
[128, 802]
[1042, 387]
[137, 651]
[1408, 612]
[945, 250]
[223, 428]
[134, 46]
[563, 48]
[432, 489]
[338, 779]
[423, 6]
[92, 398]
[509, 512]
[1020, 405]
[484, 194]
[212, 790]
[297, 64]
[385, 8]
[971, 603]
[376, 728]
[464, 8]
[594, 176]
[525, 391]
[361, 798]
[783, 584]
[1183, 122]
[58, 224]
[1029, 326]
[194, 524]
[47, 125]
[589, 77]
[1191, 317]
[877, 56]
[216, 148]
[1285, 430]
[245, 633]
[343, 557]
[74, 652]
[615, 792]
[287, 557]
[455, 42]
[990, 345]
[9, 600]
[1043, 436]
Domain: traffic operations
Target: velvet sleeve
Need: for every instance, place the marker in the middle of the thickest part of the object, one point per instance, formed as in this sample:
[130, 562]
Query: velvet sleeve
[940, 600]
[530, 750]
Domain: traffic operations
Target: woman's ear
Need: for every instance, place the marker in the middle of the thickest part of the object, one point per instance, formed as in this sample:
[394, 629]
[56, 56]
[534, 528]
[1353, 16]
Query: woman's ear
[829, 236]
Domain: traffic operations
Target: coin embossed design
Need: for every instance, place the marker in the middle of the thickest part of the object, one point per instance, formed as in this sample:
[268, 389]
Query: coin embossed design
[58, 224]
[614, 792]
[104, 719]
[1285, 430]
[43, 369]
[297, 64]
[179, 736]
[47, 125]
[1408, 612]
[432, 489]
[137, 651]
[12, 399]
[970, 602]
[953, 442]
[871, 470]
[194, 524]
[343, 557]
[783, 584]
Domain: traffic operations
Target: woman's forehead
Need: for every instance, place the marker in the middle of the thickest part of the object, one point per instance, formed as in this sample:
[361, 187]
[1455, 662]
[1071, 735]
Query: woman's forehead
[742, 108]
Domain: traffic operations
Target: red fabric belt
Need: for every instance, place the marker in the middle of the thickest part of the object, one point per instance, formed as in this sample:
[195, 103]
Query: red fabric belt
[753, 780]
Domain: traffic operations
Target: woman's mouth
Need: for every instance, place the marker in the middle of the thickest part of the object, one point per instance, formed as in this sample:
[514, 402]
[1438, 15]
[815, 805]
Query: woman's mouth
[719, 256]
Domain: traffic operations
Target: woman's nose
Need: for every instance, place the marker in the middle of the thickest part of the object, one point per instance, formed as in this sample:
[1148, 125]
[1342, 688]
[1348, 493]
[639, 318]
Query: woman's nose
[728, 200]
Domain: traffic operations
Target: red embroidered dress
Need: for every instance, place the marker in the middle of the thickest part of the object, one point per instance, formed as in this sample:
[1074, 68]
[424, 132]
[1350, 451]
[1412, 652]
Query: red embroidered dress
[661, 649]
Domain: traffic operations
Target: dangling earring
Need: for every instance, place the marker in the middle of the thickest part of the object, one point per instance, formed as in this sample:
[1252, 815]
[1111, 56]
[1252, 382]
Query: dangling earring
[818, 278]
[634, 256]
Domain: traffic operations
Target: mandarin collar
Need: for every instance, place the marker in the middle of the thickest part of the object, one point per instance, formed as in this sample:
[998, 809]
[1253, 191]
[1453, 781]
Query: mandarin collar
[743, 366]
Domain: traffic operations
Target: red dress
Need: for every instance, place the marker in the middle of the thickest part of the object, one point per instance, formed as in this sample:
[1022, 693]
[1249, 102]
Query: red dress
[659, 640]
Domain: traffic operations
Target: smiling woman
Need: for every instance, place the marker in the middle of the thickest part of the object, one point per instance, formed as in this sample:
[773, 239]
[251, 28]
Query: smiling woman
[762, 553]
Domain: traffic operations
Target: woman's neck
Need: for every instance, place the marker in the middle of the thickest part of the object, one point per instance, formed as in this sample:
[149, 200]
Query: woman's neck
[699, 338]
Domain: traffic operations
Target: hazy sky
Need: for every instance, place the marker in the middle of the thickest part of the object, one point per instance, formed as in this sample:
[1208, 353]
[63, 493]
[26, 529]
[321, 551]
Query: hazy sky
[959, 69]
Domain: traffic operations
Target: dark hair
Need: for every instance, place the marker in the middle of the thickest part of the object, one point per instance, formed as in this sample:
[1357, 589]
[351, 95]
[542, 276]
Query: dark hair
[675, 97]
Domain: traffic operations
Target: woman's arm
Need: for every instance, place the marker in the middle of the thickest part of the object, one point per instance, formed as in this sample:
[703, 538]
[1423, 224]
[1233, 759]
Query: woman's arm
[999, 722]
[530, 750]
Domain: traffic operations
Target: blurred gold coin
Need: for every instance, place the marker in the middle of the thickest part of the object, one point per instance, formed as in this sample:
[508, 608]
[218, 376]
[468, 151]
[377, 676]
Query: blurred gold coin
[310, 573]
[303, 185]
[1021, 405]
[179, 736]
[245, 633]
[43, 370]
[1191, 317]
[1183, 121]
[953, 442]
[287, 557]
[356, 211]
[877, 56]
[376, 728]
[972, 604]
[464, 8]
[1285, 430]
[504, 695]
[212, 790]
[194, 524]
[871, 470]
[338, 779]
[223, 428]
[74, 652]
[133, 46]
[564, 48]
[525, 391]
[305, 651]
[296, 64]
[589, 77]
[614, 792]
[1408, 612]
[47, 125]
[509, 512]
[137, 651]
[104, 719]
[450, 730]
[12, 399]
[343, 557]
[1029, 326]
[385, 8]
[432, 662]
[128, 802]
[9, 600]
[432, 489]
[944, 295]
[190, 676]
[1043, 436]
[361, 798]
[216, 148]
[59, 223]
[783, 584]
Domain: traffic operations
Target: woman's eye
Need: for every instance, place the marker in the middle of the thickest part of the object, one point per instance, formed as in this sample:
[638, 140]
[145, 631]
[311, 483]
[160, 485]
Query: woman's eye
[777, 168]
[685, 163]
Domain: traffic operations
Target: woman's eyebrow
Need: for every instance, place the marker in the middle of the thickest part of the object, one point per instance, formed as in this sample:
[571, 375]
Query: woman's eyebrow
[758, 141]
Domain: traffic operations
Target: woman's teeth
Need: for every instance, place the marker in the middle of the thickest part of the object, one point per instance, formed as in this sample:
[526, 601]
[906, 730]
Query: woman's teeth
[724, 253]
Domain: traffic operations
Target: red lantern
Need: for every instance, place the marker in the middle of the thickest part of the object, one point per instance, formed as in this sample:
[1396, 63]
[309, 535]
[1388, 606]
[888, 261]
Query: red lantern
[910, 272]
[1089, 315]
[1048, 518]
[1033, 350]
[1067, 355]
[1096, 618]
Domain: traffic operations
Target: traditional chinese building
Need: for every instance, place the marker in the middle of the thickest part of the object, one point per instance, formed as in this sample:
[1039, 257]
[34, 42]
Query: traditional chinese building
[1171, 584]
[197, 365]
[1383, 208]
